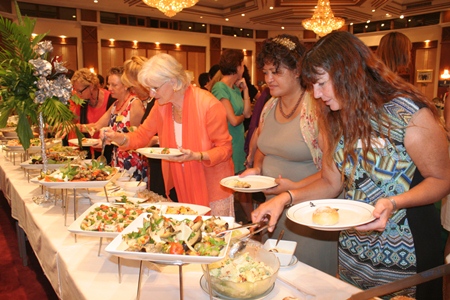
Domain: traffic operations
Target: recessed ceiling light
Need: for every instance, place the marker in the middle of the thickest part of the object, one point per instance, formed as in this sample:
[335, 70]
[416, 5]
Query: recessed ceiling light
[351, 24]
[201, 17]
[95, 1]
[271, 7]
[427, 41]
[282, 27]
[382, 24]
[177, 44]
[368, 21]
[388, 15]
[373, 10]
[243, 15]
[402, 16]
[226, 19]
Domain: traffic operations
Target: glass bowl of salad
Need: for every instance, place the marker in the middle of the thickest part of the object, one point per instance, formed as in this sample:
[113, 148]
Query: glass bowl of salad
[248, 275]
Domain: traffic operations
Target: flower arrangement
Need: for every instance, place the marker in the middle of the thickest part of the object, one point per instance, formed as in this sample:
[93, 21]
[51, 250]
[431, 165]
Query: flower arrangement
[31, 85]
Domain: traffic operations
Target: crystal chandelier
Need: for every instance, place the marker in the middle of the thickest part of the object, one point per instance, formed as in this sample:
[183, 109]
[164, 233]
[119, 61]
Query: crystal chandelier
[170, 7]
[323, 20]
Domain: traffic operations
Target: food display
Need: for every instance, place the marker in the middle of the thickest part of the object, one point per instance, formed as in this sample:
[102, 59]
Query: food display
[64, 150]
[16, 142]
[325, 215]
[52, 158]
[113, 218]
[249, 274]
[180, 210]
[160, 234]
[74, 173]
[150, 196]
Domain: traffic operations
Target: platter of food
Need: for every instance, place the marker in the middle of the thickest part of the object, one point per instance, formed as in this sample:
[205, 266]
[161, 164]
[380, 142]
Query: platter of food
[159, 153]
[78, 176]
[173, 240]
[85, 142]
[107, 220]
[248, 184]
[331, 214]
[15, 145]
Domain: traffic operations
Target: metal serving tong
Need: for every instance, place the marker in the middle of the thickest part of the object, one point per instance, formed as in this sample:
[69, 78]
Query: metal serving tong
[257, 224]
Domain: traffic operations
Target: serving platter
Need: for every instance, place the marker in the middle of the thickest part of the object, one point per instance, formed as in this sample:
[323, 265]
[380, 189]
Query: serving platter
[118, 246]
[257, 183]
[85, 142]
[154, 152]
[72, 184]
[75, 227]
[29, 166]
[352, 213]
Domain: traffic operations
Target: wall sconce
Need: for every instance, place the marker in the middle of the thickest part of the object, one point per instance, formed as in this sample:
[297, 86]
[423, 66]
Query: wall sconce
[111, 42]
[445, 75]
[63, 39]
[135, 44]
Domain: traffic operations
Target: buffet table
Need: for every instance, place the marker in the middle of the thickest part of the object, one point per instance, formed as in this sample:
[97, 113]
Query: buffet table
[76, 271]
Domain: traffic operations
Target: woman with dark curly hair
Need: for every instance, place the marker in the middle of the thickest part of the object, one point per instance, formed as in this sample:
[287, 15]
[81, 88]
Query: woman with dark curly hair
[384, 144]
[287, 144]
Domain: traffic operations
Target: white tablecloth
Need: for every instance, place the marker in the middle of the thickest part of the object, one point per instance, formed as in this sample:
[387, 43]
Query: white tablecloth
[77, 272]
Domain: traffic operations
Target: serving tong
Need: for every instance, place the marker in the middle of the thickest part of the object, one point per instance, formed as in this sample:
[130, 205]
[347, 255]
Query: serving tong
[256, 224]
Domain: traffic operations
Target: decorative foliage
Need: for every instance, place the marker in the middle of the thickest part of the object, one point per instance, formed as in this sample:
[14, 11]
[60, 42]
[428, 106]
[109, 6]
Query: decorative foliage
[29, 83]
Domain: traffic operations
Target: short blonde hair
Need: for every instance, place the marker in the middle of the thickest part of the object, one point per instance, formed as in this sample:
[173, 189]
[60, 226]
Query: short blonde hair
[132, 67]
[85, 77]
[161, 68]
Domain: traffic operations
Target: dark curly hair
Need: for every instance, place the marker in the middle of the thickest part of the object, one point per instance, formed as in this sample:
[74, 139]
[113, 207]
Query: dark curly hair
[284, 49]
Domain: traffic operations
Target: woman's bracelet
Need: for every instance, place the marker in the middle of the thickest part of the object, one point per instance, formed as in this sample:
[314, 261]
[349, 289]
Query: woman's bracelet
[394, 205]
[201, 156]
[292, 198]
[124, 140]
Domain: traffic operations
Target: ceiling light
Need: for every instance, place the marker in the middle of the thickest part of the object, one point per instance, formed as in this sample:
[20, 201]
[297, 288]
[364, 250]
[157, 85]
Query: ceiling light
[445, 75]
[170, 7]
[402, 16]
[243, 15]
[323, 20]
[271, 7]
[282, 27]
[373, 10]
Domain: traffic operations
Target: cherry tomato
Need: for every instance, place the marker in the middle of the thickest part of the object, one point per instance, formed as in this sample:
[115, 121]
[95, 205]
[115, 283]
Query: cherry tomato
[176, 248]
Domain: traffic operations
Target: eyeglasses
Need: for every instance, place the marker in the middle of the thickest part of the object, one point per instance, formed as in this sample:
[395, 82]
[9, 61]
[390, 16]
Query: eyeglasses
[155, 89]
[81, 92]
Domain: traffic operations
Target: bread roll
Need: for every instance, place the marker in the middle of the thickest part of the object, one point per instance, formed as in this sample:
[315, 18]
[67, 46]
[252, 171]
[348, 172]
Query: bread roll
[325, 215]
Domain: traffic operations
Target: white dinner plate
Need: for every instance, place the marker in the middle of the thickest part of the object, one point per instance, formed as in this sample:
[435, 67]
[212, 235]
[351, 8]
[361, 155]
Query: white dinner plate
[153, 152]
[118, 246]
[351, 213]
[85, 142]
[257, 183]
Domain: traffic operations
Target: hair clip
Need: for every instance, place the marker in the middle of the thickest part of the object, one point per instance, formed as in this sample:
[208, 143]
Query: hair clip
[285, 42]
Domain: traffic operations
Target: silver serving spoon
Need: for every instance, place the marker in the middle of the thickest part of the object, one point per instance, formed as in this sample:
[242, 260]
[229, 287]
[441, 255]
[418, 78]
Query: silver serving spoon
[280, 236]
[102, 159]
[241, 243]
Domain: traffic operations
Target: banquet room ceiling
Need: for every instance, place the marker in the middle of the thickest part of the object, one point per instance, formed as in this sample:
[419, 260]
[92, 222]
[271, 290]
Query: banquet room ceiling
[258, 15]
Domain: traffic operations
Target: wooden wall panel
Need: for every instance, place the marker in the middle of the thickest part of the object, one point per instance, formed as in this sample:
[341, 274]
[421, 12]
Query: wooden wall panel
[180, 56]
[68, 53]
[90, 47]
[129, 52]
[197, 64]
[426, 60]
[111, 57]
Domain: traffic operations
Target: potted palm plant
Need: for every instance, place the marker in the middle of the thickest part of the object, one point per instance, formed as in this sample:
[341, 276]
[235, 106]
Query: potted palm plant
[32, 86]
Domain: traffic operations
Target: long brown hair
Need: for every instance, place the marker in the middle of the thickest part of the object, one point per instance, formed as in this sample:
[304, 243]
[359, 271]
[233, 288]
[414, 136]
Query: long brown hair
[362, 85]
[395, 51]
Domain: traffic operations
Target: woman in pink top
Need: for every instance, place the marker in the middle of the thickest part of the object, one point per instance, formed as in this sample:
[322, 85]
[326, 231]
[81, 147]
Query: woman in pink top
[192, 120]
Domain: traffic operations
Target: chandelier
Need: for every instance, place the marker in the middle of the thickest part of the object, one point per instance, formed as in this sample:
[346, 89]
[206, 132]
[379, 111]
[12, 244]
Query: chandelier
[170, 7]
[323, 20]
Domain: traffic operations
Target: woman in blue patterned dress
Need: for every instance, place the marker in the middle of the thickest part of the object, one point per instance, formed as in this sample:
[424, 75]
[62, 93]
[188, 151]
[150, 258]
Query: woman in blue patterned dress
[384, 144]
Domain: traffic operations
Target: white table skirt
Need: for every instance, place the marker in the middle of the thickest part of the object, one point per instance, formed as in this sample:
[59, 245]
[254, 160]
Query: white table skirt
[77, 272]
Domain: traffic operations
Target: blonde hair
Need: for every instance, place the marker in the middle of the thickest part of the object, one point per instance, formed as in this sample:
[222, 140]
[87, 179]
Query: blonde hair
[85, 77]
[163, 67]
[395, 51]
[132, 67]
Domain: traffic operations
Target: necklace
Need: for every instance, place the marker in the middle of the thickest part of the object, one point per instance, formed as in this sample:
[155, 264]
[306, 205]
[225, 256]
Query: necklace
[287, 116]
[178, 113]
[122, 105]
[96, 101]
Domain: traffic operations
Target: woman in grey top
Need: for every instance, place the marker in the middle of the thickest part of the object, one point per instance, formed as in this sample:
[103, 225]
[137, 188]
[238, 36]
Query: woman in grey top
[286, 144]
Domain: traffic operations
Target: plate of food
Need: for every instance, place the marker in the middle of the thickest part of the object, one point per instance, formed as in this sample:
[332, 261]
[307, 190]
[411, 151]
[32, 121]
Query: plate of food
[331, 214]
[107, 220]
[248, 184]
[159, 153]
[16, 145]
[173, 240]
[85, 142]
[78, 176]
